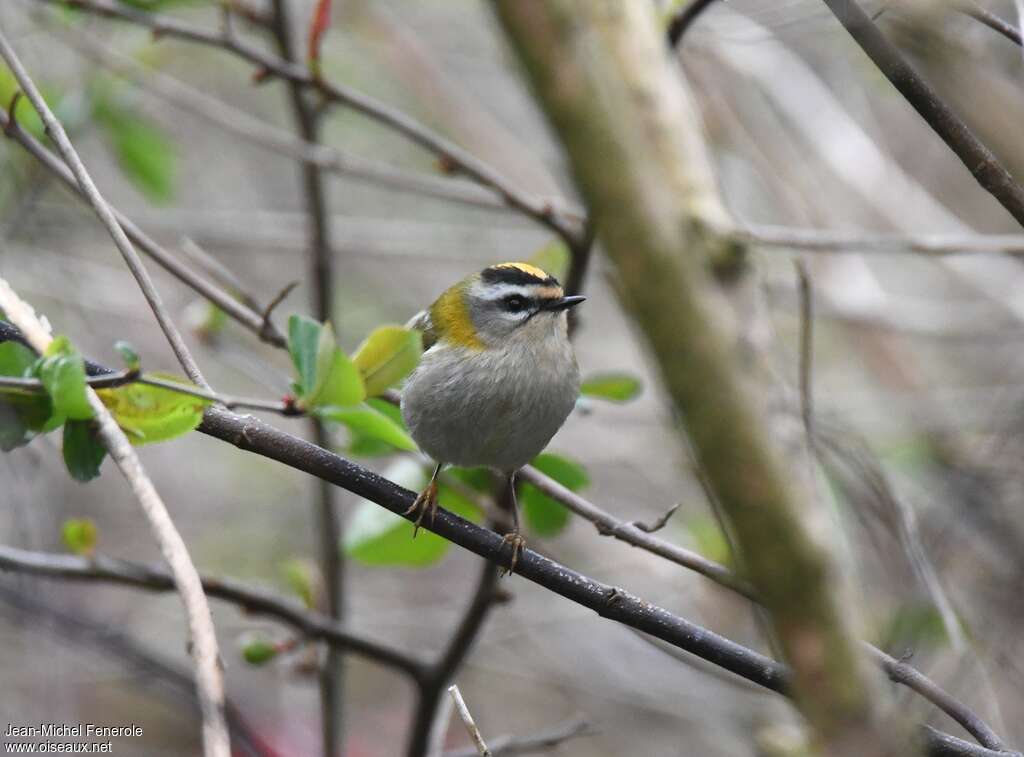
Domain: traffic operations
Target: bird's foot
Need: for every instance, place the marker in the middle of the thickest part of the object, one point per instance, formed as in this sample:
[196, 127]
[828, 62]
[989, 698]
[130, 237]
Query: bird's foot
[424, 503]
[517, 542]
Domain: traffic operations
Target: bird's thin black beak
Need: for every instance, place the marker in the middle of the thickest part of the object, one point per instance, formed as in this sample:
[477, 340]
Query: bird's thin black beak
[564, 303]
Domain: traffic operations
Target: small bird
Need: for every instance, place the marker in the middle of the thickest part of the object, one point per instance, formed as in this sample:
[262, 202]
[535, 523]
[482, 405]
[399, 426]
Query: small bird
[497, 380]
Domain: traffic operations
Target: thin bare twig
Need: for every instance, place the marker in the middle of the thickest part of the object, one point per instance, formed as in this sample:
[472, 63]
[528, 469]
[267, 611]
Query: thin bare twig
[506, 746]
[684, 19]
[218, 272]
[658, 523]
[806, 349]
[991, 20]
[608, 525]
[277, 300]
[209, 681]
[467, 720]
[825, 240]
[544, 211]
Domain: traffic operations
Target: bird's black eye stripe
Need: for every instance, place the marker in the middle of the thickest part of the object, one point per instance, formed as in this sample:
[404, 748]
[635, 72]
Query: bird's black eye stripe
[516, 303]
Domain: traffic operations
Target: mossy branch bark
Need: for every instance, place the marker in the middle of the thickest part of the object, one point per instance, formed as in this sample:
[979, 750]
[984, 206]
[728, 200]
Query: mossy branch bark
[602, 72]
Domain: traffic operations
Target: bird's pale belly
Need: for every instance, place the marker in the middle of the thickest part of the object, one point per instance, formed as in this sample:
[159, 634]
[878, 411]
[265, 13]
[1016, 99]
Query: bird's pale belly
[485, 409]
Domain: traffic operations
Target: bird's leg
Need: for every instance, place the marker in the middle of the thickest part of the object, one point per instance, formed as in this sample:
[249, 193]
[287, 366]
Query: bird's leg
[514, 539]
[425, 501]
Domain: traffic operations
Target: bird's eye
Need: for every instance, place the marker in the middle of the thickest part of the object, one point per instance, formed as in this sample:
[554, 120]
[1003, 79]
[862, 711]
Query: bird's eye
[514, 303]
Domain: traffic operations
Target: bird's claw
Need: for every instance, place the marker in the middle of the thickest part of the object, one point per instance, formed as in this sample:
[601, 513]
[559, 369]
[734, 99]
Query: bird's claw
[425, 502]
[517, 542]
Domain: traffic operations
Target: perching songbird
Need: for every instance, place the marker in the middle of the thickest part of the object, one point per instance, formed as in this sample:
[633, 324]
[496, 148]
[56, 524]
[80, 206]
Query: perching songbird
[497, 380]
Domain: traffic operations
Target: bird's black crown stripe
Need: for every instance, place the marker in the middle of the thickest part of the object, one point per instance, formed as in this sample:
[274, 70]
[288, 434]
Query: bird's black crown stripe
[512, 275]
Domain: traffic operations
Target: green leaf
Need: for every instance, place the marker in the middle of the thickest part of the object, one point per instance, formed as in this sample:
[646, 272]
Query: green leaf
[83, 452]
[13, 431]
[478, 479]
[303, 338]
[337, 379]
[326, 376]
[378, 537]
[205, 320]
[128, 355]
[615, 387]
[258, 651]
[151, 413]
[25, 114]
[545, 516]
[302, 578]
[915, 626]
[388, 355]
[143, 150]
[63, 374]
[709, 539]
[365, 422]
[368, 446]
[16, 360]
[80, 535]
[553, 258]
[22, 411]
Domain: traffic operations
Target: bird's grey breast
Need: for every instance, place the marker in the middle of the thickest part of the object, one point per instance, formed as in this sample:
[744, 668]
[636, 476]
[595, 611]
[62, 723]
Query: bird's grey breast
[494, 407]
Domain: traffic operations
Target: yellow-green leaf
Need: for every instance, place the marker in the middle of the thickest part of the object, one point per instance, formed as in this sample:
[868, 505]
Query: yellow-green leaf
[338, 381]
[303, 338]
[363, 421]
[303, 578]
[258, 651]
[80, 535]
[553, 258]
[153, 414]
[62, 372]
[388, 355]
[544, 515]
[142, 148]
[22, 411]
[614, 387]
[376, 536]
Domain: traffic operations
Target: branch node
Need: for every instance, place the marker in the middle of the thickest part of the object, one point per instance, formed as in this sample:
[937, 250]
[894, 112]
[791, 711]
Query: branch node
[267, 329]
[12, 120]
[261, 75]
[655, 525]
